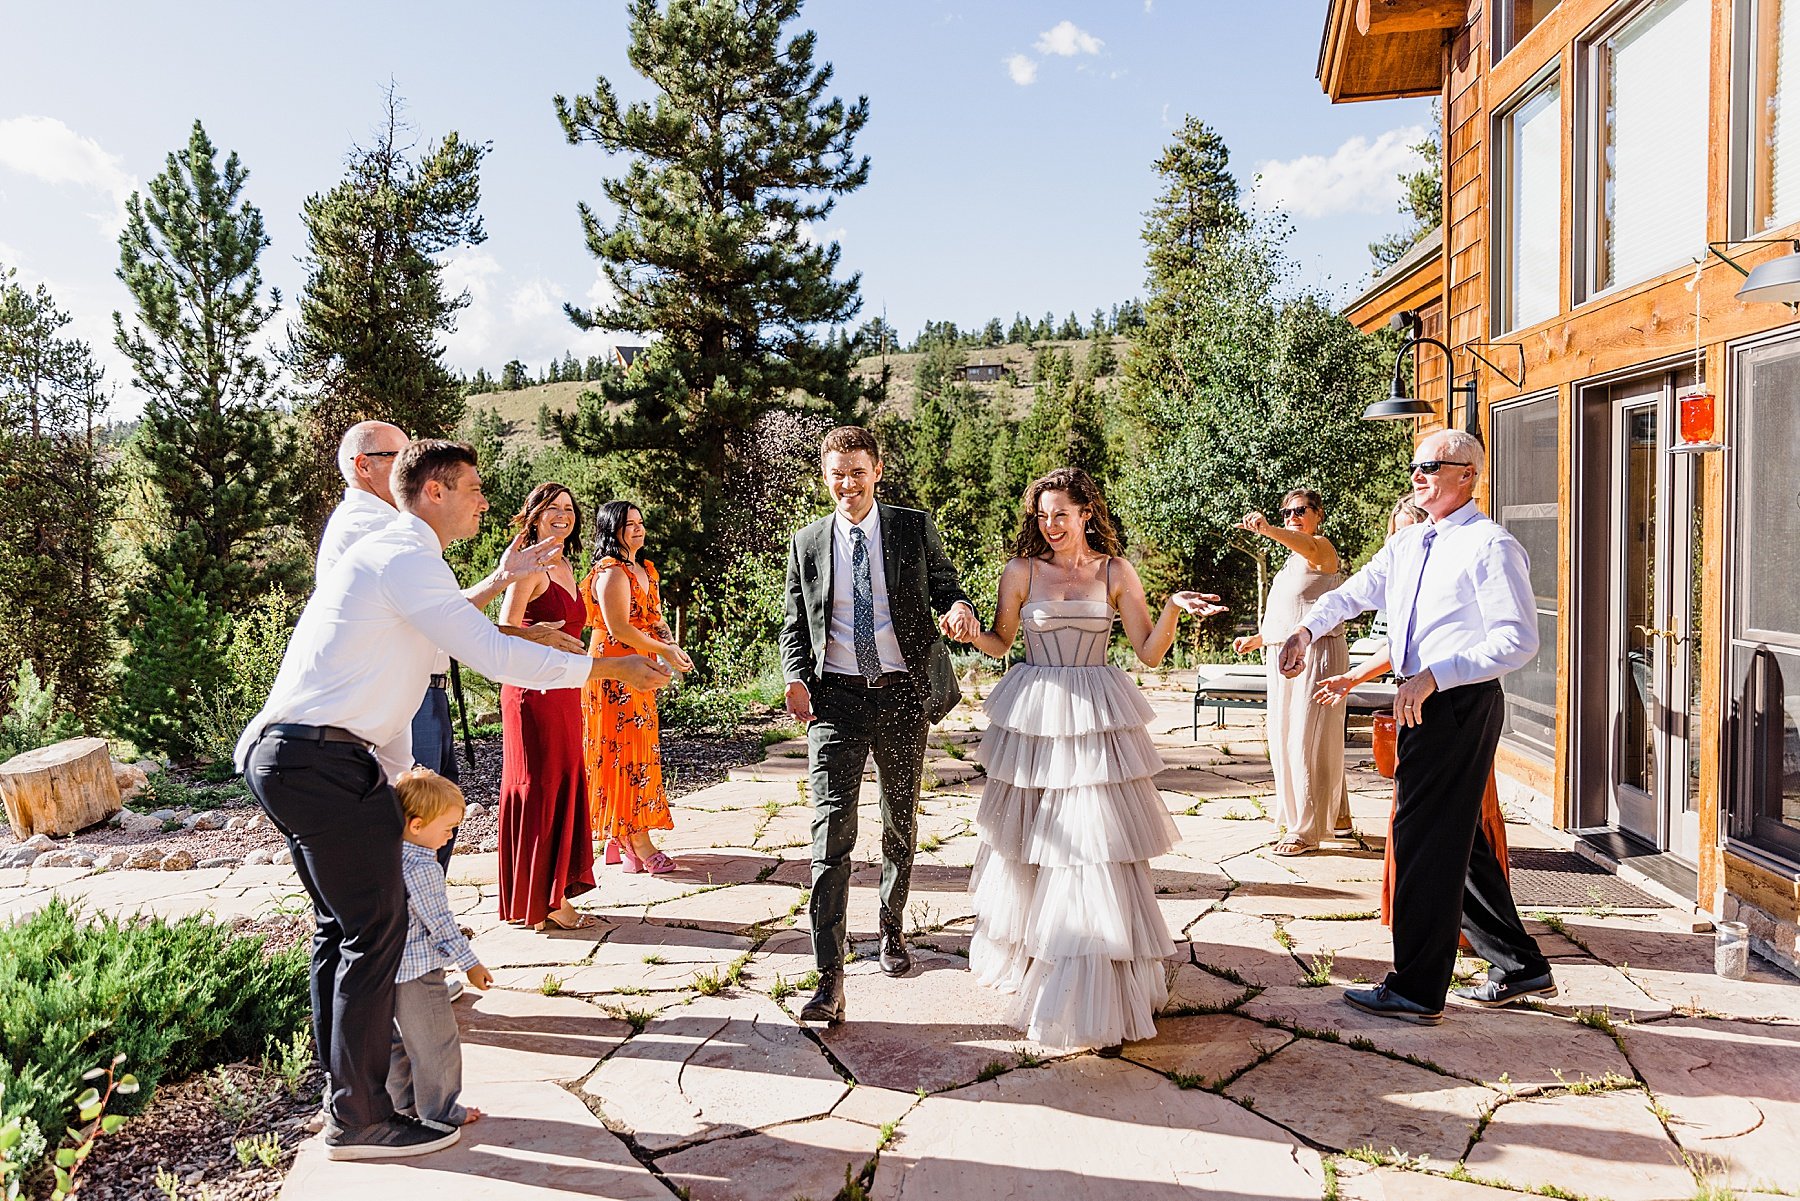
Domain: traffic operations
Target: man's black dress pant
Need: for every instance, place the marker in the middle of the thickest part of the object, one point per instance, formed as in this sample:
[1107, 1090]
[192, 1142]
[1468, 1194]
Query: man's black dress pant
[342, 822]
[1446, 876]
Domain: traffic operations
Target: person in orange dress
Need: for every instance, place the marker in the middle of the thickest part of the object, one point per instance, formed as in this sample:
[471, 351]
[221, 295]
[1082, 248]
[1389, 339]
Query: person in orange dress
[624, 759]
[1335, 688]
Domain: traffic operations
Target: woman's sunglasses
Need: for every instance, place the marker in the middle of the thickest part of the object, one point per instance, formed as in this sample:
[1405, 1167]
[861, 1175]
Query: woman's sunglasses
[1290, 514]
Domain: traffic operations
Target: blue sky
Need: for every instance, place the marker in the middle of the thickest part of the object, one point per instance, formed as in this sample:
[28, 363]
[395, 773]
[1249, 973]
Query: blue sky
[1011, 142]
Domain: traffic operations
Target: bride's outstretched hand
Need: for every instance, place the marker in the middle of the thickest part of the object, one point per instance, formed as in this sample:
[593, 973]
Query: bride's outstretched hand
[1199, 604]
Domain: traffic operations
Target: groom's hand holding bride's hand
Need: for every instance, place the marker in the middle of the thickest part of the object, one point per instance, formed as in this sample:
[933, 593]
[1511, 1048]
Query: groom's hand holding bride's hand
[960, 624]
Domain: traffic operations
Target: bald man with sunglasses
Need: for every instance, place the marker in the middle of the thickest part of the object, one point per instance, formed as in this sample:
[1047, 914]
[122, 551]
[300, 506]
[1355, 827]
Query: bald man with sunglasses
[1461, 614]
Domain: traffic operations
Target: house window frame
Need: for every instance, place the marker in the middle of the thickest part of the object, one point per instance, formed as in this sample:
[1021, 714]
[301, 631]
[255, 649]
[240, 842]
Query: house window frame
[1743, 154]
[1506, 38]
[1585, 170]
[1744, 831]
[1501, 298]
[1546, 751]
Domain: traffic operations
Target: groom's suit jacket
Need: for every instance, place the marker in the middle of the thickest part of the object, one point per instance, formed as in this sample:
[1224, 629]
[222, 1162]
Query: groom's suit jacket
[921, 582]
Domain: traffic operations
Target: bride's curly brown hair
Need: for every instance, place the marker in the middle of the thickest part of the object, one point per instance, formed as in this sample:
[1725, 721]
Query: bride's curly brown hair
[1102, 533]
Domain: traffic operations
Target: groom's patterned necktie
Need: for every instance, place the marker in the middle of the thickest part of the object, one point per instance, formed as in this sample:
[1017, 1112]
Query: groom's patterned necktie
[862, 605]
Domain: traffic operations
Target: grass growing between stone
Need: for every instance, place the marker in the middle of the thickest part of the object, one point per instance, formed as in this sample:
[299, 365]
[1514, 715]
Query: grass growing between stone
[174, 998]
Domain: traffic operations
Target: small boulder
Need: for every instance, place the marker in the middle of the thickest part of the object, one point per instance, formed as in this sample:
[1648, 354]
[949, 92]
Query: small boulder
[165, 815]
[177, 861]
[130, 778]
[473, 810]
[490, 845]
[237, 821]
[66, 857]
[40, 842]
[282, 857]
[133, 822]
[260, 857]
[106, 861]
[19, 856]
[219, 861]
[204, 821]
[144, 860]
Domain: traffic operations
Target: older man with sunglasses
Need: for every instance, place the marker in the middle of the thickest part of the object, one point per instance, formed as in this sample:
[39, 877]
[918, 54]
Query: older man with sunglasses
[1461, 614]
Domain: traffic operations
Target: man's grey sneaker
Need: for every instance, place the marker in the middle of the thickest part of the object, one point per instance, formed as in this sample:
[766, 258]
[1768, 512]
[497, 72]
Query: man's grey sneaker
[1383, 1003]
[392, 1139]
[1492, 994]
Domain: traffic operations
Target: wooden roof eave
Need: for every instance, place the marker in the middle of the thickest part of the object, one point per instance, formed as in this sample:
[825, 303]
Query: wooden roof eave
[1387, 49]
[1414, 282]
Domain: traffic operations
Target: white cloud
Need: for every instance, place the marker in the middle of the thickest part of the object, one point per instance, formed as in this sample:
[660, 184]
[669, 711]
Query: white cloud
[1022, 69]
[1066, 39]
[46, 149]
[1359, 177]
[814, 235]
[510, 318]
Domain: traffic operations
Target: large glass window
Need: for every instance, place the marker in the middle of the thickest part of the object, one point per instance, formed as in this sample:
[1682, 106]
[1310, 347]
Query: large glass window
[1764, 682]
[1648, 142]
[1531, 134]
[1524, 497]
[1772, 122]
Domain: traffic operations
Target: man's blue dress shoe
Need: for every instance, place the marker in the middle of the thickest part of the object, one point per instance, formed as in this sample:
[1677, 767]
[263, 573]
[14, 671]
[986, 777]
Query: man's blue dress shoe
[1493, 994]
[1383, 1003]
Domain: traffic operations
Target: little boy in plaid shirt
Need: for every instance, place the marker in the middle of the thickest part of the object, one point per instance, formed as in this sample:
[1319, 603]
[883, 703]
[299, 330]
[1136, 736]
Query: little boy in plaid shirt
[425, 1072]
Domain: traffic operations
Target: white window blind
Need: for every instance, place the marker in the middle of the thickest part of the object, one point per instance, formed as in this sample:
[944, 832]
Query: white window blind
[1535, 214]
[1782, 99]
[1653, 142]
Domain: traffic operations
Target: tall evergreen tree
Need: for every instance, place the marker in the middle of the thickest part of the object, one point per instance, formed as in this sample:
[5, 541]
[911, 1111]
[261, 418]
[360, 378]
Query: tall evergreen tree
[367, 344]
[210, 441]
[739, 151]
[1199, 200]
[56, 503]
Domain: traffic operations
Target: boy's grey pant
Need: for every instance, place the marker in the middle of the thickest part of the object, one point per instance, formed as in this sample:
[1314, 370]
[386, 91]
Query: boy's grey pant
[425, 1066]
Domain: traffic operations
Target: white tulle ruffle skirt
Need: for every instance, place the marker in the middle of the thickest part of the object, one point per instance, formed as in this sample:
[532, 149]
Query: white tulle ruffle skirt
[1065, 914]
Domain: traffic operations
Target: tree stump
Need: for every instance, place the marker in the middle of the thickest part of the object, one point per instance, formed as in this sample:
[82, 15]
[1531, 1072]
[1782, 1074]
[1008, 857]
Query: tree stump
[59, 789]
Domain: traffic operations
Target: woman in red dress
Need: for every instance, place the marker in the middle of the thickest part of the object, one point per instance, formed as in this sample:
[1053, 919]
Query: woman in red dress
[546, 850]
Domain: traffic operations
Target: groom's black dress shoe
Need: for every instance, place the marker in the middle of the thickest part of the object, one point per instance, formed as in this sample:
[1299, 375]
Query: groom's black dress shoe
[896, 960]
[827, 1004]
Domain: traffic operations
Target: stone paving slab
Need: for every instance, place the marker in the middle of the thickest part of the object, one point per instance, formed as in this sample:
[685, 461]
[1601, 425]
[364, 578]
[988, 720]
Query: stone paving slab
[1309, 899]
[1393, 1106]
[705, 1070]
[1089, 1129]
[800, 1159]
[519, 1036]
[517, 946]
[1587, 985]
[1601, 1145]
[536, 1141]
[934, 1028]
[1534, 1050]
[1209, 1049]
[1361, 1182]
[1193, 989]
[729, 909]
[1243, 944]
[1729, 1102]
[647, 955]
[1676, 967]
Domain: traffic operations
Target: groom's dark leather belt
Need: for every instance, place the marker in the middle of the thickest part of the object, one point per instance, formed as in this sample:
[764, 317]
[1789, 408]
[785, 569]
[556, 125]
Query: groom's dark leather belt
[881, 681]
[288, 729]
[440, 680]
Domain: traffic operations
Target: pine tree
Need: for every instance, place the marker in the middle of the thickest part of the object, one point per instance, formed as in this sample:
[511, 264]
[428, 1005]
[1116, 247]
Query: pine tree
[177, 646]
[57, 501]
[993, 333]
[737, 153]
[1100, 327]
[1020, 329]
[1070, 329]
[1199, 200]
[374, 310]
[1101, 361]
[210, 440]
[513, 376]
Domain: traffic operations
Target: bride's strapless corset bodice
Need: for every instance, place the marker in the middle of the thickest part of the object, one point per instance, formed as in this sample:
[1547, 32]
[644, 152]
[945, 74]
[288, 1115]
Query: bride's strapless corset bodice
[1067, 633]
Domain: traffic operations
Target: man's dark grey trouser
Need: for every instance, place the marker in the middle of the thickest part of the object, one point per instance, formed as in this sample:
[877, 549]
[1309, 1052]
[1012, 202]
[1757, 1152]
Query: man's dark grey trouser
[850, 723]
[342, 823]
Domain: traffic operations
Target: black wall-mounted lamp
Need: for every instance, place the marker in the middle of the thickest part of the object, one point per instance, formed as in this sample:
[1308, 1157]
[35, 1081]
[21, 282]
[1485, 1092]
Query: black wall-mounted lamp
[1401, 407]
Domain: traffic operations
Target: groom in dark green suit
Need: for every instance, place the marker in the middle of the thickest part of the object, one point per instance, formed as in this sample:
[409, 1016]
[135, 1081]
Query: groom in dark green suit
[868, 673]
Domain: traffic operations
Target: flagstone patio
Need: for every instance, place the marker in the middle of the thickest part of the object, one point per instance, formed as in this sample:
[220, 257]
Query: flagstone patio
[656, 1054]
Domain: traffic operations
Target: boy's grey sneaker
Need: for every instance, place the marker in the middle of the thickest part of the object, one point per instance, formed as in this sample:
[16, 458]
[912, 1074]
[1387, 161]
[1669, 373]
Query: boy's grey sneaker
[395, 1138]
[1491, 994]
[453, 987]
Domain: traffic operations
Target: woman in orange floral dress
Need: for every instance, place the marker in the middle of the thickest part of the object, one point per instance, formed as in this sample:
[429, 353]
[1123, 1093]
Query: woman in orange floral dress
[624, 761]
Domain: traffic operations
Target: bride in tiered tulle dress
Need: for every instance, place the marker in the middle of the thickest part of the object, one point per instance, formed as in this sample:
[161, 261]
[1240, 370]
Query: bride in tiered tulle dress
[1065, 915]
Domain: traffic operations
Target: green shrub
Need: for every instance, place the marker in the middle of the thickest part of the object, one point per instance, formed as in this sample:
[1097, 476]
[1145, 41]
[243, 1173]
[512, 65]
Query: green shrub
[31, 720]
[254, 645]
[174, 998]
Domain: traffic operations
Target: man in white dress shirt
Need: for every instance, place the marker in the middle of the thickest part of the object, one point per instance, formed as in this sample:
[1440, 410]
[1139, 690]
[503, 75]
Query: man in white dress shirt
[1461, 614]
[337, 728]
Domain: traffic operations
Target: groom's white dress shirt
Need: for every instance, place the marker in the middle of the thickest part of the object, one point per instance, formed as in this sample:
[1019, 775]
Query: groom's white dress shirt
[362, 655]
[840, 639]
[1458, 597]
